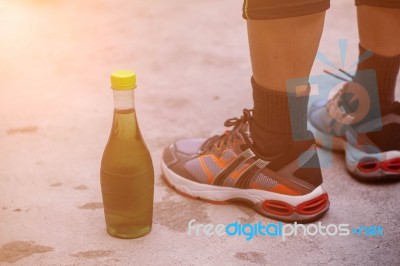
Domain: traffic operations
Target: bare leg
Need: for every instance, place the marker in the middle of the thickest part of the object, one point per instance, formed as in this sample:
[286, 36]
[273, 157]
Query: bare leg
[379, 29]
[283, 49]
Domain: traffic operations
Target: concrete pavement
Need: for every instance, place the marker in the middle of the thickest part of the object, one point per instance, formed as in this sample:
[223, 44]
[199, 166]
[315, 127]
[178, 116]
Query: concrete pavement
[193, 68]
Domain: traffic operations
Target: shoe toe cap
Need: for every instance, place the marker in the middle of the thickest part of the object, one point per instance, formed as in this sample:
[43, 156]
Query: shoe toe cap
[189, 146]
[181, 150]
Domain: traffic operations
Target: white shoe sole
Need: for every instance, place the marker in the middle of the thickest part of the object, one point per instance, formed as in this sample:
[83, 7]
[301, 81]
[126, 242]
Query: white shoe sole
[361, 165]
[304, 208]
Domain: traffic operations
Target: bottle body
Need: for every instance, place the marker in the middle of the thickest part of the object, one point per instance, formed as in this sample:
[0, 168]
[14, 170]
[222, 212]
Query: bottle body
[127, 175]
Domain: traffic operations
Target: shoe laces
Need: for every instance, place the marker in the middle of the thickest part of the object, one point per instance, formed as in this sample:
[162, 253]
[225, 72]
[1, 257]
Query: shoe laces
[240, 126]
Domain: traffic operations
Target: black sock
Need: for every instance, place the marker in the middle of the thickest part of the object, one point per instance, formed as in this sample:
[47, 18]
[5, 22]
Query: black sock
[272, 127]
[386, 68]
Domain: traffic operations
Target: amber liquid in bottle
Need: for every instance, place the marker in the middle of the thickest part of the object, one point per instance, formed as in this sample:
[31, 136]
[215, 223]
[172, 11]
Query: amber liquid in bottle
[127, 175]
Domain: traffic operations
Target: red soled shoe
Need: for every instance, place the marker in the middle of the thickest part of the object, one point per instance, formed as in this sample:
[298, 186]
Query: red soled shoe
[372, 147]
[226, 168]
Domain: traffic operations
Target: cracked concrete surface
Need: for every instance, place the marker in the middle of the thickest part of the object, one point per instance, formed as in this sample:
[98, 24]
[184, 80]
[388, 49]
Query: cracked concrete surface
[193, 68]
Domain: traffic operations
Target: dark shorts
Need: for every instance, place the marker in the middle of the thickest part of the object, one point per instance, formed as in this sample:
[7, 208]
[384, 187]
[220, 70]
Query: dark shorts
[273, 9]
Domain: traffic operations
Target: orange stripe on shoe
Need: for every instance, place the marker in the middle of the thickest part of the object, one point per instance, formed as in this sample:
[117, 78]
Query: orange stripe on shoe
[282, 189]
[237, 173]
[255, 186]
[221, 162]
[205, 169]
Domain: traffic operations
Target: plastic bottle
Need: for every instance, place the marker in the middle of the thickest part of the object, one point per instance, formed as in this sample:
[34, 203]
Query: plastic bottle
[127, 174]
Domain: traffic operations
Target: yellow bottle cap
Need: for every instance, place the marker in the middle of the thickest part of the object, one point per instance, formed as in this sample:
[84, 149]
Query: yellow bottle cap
[123, 80]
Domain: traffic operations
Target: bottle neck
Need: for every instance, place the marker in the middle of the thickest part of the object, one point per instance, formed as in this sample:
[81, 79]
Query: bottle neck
[124, 100]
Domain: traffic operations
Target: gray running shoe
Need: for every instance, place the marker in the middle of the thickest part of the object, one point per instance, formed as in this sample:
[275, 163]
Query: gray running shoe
[372, 147]
[226, 168]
